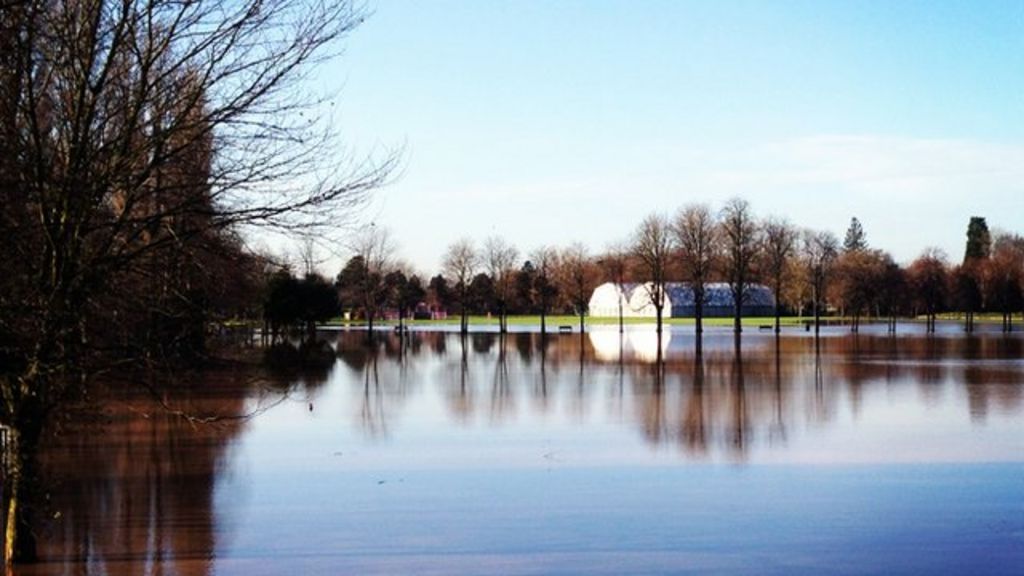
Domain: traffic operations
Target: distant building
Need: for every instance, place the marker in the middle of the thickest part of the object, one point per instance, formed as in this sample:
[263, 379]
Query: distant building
[680, 302]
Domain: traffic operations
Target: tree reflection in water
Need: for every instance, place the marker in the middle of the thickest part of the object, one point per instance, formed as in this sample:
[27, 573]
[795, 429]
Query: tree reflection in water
[136, 488]
[134, 485]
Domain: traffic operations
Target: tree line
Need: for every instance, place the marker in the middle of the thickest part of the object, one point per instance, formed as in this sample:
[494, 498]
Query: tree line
[811, 272]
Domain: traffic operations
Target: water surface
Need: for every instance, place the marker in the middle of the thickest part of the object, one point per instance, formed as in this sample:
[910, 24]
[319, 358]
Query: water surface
[566, 455]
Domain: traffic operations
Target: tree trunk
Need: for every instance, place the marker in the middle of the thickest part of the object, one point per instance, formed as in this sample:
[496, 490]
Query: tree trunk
[20, 473]
[817, 316]
[621, 328]
[778, 313]
[698, 309]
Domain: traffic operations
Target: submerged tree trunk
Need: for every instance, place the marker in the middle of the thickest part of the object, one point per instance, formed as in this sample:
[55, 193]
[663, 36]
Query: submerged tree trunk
[621, 326]
[698, 312]
[778, 312]
[20, 460]
[817, 316]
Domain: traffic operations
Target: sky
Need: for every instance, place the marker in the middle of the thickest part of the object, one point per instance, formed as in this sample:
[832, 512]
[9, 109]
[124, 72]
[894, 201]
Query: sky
[553, 122]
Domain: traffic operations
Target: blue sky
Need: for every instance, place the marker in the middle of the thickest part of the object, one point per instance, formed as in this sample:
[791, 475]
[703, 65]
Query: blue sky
[553, 122]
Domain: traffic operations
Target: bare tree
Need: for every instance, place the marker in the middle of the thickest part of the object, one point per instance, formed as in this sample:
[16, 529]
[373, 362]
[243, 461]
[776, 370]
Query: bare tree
[860, 279]
[928, 278]
[308, 255]
[820, 251]
[652, 247]
[375, 248]
[133, 132]
[545, 259]
[577, 276]
[615, 265]
[1005, 277]
[740, 243]
[460, 263]
[696, 235]
[500, 258]
[779, 248]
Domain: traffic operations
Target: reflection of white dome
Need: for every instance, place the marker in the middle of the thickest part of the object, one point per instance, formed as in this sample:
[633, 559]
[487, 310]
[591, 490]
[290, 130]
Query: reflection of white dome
[641, 343]
[644, 344]
[605, 343]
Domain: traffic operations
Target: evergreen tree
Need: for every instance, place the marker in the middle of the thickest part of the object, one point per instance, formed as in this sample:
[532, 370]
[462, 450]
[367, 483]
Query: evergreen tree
[856, 240]
[979, 241]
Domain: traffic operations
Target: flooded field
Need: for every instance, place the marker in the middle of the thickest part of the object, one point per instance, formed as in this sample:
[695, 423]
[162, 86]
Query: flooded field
[520, 455]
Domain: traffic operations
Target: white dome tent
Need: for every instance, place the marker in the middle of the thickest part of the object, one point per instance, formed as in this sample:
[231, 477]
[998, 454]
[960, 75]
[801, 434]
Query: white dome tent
[605, 300]
[718, 301]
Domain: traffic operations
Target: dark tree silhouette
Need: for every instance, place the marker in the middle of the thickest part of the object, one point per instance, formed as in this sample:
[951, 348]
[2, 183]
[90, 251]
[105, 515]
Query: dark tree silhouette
[927, 277]
[979, 241]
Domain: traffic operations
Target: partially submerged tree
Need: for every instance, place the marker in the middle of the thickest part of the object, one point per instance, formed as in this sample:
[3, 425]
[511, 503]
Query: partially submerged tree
[859, 278]
[820, 250]
[780, 244]
[967, 292]
[696, 236]
[500, 259]
[1005, 277]
[740, 244]
[927, 277]
[652, 248]
[545, 262]
[577, 277]
[892, 290]
[372, 247]
[615, 267]
[404, 293]
[460, 264]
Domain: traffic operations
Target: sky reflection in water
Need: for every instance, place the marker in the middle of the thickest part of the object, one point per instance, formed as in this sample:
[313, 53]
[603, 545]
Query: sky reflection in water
[862, 454]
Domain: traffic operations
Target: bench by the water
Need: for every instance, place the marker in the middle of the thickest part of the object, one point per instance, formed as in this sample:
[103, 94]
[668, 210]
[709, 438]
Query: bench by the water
[564, 329]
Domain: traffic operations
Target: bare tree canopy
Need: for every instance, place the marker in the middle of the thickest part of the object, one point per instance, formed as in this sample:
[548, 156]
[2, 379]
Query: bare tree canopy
[615, 263]
[460, 263]
[374, 249]
[500, 258]
[820, 250]
[545, 259]
[696, 236]
[739, 235]
[779, 238]
[652, 247]
[577, 275]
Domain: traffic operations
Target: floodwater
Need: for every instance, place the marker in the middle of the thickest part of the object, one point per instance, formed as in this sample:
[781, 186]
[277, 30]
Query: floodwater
[856, 455]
